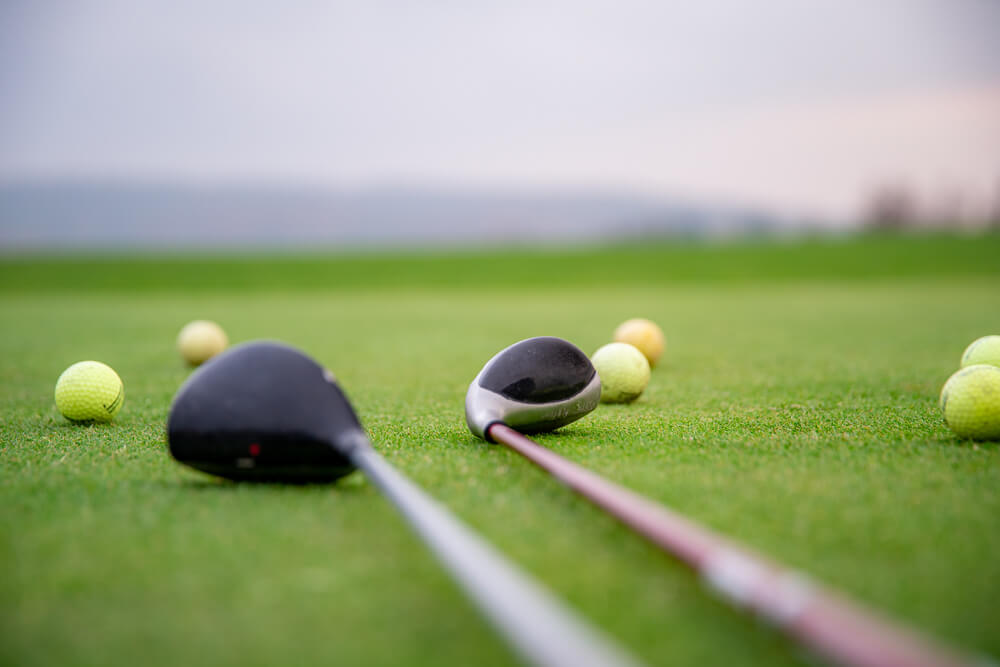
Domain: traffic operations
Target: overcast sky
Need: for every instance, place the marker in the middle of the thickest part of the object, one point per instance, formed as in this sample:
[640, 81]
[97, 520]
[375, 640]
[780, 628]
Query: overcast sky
[799, 106]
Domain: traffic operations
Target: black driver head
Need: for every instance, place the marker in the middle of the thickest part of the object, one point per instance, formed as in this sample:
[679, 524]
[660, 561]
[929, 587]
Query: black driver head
[264, 411]
[538, 384]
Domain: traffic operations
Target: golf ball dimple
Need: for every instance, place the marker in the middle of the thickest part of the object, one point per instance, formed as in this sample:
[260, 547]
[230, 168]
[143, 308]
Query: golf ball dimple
[645, 336]
[985, 350]
[89, 391]
[623, 370]
[970, 402]
[201, 340]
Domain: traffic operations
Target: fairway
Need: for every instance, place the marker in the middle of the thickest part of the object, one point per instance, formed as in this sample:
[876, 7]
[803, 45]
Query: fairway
[795, 410]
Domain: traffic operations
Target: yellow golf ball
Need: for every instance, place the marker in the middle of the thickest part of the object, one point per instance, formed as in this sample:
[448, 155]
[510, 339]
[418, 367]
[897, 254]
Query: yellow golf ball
[985, 350]
[201, 340]
[89, 391]
[623, 370]
[970, 402]
[644, 336]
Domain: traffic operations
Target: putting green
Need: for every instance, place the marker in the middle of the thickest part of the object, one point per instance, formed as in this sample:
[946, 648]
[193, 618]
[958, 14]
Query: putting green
[795, 409]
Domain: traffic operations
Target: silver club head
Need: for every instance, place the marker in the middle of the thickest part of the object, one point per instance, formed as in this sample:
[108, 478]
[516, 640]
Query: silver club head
[538, 384]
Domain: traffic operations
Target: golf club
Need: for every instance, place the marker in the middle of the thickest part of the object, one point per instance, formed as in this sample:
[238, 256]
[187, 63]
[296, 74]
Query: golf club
[264, 411]
[542, 383]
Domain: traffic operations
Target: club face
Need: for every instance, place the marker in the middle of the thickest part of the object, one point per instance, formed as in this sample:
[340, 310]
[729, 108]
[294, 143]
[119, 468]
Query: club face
[264, 411]
[536, 385]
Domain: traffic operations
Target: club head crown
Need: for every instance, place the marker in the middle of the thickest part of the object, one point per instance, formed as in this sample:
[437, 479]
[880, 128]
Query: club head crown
[264, 411]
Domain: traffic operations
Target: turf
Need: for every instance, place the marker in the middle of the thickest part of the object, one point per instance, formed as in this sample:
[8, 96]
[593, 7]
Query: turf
[796, 411]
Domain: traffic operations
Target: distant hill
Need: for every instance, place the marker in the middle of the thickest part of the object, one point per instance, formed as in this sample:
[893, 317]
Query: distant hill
[80, 215]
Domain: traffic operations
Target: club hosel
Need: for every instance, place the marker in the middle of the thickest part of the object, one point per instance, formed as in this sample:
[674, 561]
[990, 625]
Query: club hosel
[481, 422]
[486, 431]
[480, 418]
[350, 443]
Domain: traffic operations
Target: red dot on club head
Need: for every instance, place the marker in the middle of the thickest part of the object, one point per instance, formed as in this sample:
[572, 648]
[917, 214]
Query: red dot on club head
[254, 449]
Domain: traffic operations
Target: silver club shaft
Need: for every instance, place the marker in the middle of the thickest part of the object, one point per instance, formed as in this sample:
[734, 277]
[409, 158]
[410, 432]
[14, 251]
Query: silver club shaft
[542, 630]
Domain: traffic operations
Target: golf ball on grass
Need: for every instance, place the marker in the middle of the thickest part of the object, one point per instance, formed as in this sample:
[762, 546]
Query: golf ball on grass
[985, 350]
[623, 370]
[201, 340]
[89, 391]
[644, 336]
[970, 402]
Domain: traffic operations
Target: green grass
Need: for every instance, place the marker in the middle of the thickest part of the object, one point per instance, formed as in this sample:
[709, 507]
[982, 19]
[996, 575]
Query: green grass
[850, 259]
[796, 411]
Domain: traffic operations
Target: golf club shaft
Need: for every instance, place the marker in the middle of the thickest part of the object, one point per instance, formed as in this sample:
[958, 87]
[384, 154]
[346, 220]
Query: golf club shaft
[543, 631]
[839, 629]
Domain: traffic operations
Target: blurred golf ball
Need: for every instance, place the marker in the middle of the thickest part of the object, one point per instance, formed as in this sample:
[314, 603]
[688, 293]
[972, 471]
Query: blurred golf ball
[623, 370]
[985, 350]
[970, 402]
[644, 336]
[89, 391]
[201, 340]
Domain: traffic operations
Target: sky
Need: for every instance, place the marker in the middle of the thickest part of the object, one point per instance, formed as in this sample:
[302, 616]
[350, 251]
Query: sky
[802, 107]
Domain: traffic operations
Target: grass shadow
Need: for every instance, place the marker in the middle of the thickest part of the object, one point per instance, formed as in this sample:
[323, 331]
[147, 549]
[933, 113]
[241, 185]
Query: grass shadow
[352, 483]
